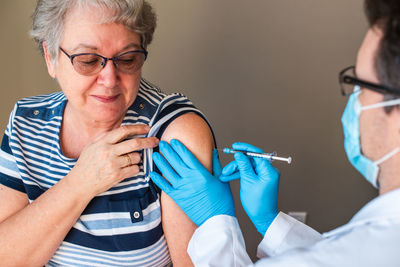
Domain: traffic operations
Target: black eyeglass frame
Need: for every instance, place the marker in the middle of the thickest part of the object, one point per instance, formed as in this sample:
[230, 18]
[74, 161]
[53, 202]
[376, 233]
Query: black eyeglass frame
[105, 59]
[346, 79]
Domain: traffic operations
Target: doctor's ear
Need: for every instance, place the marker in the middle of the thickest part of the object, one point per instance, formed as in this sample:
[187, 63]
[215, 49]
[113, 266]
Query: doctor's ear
[49, 62]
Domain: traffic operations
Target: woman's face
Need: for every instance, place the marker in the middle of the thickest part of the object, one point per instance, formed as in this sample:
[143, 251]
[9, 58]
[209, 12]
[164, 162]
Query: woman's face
[105, 96]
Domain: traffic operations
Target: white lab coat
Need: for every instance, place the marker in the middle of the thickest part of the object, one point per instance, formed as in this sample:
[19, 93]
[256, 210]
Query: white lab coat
[371, 238]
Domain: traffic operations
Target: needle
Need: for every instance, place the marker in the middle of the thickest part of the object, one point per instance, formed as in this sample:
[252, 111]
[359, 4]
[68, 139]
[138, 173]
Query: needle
[269, 156]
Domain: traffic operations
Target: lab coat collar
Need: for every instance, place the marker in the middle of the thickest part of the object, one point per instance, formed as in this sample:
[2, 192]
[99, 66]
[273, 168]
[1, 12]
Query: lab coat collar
[383, 207]
[386, 205]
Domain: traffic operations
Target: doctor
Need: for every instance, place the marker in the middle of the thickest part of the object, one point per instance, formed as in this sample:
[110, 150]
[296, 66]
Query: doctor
[371, 124]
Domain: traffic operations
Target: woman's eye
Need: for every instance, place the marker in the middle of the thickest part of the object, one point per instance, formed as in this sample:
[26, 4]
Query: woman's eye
[91, 62]
[126, 61]
[85, 60]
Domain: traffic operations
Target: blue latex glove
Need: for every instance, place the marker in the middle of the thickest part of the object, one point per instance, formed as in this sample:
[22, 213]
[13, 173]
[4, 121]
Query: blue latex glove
[259, 184]
[197, 192]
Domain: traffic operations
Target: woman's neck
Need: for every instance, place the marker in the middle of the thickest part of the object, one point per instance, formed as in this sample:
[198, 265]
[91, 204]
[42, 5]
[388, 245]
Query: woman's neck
[77, 131]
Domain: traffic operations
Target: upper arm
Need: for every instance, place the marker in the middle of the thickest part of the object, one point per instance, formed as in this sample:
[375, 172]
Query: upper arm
[11, 201]
[196, 135]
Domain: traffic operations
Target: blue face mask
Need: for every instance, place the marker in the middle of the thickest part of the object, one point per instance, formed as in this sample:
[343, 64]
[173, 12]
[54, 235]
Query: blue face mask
[350, 121]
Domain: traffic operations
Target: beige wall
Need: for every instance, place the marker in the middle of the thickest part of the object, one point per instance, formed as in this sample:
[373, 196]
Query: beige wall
[263, 72]
[22, 70]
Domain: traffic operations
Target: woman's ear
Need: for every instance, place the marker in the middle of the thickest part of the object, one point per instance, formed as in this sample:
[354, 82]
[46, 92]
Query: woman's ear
[50, 65]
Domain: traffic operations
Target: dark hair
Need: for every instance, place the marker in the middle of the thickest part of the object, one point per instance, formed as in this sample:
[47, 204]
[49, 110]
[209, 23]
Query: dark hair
[385, 14]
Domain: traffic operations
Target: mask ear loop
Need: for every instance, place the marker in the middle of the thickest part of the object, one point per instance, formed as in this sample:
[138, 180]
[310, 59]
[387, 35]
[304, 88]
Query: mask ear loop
[382, 104]
[387, 156]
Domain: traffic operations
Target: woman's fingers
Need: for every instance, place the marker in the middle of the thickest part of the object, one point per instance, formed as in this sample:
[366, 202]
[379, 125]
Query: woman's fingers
[129, 159]
[128, 172]
[123, 132]
[135, 144]
[111, 159]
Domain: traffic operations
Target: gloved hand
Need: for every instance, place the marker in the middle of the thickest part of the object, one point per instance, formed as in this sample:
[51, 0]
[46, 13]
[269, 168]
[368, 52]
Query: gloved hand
[197, 192]
[259, 184]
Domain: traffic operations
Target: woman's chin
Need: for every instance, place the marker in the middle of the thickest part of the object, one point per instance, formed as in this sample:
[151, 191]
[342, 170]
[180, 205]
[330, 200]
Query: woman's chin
[107, 117]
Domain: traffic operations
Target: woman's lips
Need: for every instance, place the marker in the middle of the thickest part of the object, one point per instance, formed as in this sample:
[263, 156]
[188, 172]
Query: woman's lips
[105, 99]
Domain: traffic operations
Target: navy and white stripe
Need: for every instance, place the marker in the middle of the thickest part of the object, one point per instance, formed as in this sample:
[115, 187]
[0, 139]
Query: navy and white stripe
[120, 227]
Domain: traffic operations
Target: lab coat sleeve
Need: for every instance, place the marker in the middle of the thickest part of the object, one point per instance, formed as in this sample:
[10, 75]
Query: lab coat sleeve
[286, 233]
[218, 242]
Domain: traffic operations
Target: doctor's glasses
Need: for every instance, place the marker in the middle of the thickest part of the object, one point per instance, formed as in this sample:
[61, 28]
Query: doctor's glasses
[348, 79]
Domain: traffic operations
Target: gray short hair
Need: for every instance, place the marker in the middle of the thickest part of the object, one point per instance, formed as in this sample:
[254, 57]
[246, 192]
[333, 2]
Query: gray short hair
[49, 15]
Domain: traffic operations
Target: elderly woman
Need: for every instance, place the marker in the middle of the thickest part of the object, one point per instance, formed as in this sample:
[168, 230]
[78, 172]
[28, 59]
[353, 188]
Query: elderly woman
[74, 164]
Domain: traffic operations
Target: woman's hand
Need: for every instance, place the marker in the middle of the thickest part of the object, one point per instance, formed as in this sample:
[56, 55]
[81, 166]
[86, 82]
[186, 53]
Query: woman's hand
[110, 159]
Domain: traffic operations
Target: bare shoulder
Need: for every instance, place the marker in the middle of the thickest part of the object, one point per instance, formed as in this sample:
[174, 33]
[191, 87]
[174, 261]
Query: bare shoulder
[194, 132]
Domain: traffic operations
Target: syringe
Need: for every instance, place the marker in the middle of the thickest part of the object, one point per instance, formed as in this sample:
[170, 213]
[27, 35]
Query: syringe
[269, 156]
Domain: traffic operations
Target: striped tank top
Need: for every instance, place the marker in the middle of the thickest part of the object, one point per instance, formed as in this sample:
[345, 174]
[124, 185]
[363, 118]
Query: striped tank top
[120, 227]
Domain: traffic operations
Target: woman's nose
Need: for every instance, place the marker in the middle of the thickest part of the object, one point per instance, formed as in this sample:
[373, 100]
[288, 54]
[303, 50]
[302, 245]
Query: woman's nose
[108, 76]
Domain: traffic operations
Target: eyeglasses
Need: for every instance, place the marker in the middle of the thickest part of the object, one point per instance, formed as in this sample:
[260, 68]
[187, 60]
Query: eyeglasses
[347, 80]
[90, 63]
